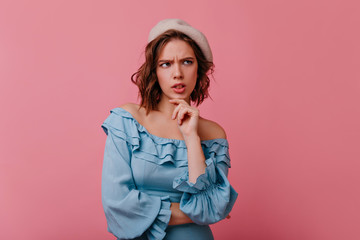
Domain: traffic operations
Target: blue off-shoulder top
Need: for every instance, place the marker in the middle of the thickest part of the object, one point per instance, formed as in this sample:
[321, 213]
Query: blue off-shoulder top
[143, 173]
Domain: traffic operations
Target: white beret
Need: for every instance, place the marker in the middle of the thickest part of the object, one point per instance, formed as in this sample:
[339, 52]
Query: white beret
[182, 26]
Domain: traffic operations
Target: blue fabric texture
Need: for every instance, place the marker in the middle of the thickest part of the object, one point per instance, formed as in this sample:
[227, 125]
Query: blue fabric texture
[142, 174]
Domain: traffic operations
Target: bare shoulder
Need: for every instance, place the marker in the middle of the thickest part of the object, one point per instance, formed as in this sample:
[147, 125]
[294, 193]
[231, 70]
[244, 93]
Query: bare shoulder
[210, 130]
[133, 109]
[130, 106]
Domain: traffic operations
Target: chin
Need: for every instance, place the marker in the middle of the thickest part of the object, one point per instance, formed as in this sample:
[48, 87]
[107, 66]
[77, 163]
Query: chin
[183, 96]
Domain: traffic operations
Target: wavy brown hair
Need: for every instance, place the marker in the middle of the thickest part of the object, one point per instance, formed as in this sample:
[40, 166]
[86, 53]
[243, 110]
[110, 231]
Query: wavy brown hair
[146, 79]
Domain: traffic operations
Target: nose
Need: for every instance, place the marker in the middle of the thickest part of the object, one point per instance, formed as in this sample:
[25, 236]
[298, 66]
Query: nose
[177, 71]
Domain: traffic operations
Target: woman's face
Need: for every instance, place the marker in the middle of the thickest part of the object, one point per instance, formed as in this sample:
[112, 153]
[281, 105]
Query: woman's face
[176, 70]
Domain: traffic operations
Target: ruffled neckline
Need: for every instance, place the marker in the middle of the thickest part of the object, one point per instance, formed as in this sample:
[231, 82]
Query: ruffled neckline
[159, 150]
[161, 140]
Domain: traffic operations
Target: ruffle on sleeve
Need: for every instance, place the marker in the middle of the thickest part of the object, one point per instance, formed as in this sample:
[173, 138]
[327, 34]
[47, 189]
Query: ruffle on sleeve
[218, 149]
[157, 229]
[211, 198]
[121, 125]
[182, 183]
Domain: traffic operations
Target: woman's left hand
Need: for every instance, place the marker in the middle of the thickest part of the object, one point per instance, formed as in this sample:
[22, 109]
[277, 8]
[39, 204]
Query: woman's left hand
[187, 117]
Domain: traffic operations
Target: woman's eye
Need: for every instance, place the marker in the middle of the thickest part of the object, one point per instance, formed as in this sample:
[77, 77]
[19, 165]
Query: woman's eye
[164, 64]
[188, 62]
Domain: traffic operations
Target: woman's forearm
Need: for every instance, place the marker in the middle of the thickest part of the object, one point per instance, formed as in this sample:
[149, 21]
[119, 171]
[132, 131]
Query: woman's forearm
[196, 166]
[178, 216]
[196, 158]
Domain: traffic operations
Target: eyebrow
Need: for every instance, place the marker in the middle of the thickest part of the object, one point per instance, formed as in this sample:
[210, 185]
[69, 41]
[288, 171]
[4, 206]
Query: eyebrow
[165, 60]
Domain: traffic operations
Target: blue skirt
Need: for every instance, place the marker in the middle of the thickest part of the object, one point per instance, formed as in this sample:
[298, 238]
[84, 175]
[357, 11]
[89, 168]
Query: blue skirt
[188, 231]
[185, 231]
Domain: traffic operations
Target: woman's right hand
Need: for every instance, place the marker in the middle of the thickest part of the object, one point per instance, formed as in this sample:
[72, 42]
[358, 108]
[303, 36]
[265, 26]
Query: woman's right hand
[178, 216]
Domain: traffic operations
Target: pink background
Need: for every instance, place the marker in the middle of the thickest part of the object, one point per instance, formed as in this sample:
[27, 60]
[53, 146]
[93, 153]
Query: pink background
[287, 92]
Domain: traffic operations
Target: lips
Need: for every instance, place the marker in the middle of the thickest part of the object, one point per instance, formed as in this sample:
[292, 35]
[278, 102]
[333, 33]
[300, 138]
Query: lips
[178, 88]
[178, 85]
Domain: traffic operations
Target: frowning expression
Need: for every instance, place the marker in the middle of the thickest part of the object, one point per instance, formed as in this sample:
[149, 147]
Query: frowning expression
[176, 70]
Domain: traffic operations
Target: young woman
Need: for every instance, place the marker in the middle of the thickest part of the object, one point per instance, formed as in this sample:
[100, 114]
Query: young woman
[165, 167]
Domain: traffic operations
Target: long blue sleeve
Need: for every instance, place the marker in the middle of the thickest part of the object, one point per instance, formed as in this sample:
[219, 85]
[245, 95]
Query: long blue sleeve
[129, 212]
[211, 198]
